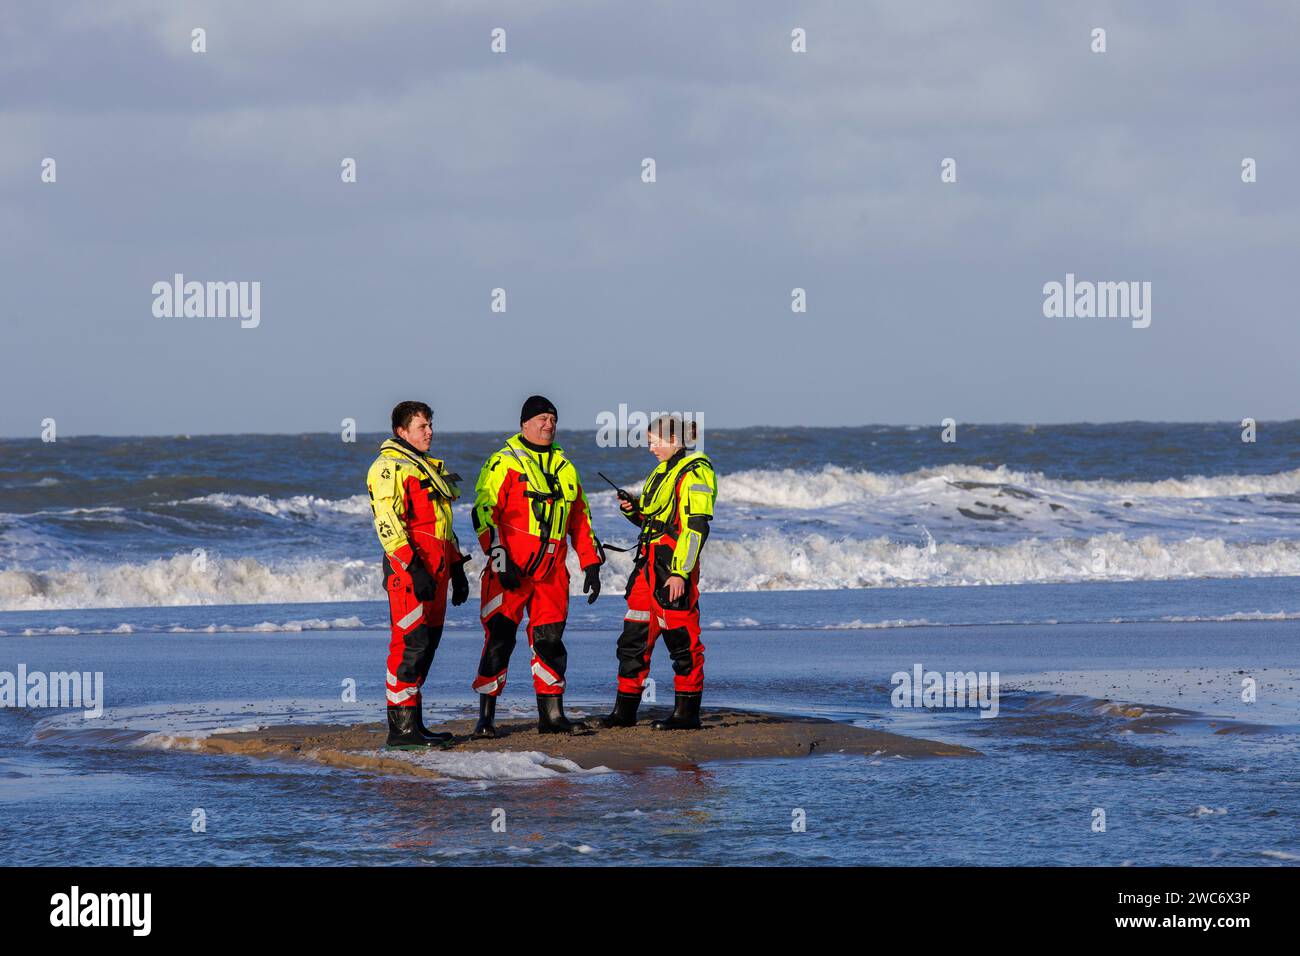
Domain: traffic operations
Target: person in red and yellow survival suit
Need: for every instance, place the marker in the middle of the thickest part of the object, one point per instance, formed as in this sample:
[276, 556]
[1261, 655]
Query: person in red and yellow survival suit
[528, 500]
[411, 496]
[663, 593]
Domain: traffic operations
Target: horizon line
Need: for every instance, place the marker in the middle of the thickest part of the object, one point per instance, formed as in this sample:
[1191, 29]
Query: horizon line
[1233, 423]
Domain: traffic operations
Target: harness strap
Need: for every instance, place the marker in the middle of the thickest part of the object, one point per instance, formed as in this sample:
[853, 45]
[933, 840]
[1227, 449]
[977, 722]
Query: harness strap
[435, 480]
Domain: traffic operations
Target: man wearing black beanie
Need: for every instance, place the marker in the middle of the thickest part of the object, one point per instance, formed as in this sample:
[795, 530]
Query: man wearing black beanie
[527, 502]
[536, 405]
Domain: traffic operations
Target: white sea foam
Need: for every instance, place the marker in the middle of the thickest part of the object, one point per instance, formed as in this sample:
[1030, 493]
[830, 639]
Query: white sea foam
[179, 580]
[833, 528]
[353, 623]
[765, 563]
[1280, 855]
[316, 624]
[524, 765]
[63, 630]
[859, 625]
[161, 741]
[1235, 616]
[248, 728]
[759, 563]
[64, 512]
[299, 506]
[170, 725]
[834, 485]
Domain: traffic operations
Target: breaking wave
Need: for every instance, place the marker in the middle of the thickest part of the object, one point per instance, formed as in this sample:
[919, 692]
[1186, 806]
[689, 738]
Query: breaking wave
[302, 506]
[180, 581]
[833, 485]
[771, 561]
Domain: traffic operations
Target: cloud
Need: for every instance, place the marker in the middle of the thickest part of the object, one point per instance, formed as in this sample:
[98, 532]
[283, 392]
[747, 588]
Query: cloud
[774, 169]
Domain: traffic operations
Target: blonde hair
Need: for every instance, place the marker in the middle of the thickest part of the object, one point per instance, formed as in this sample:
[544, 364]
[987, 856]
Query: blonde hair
[672, 430]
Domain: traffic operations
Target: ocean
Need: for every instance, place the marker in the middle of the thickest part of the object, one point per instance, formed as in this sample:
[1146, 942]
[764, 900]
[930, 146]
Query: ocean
[1134, 586]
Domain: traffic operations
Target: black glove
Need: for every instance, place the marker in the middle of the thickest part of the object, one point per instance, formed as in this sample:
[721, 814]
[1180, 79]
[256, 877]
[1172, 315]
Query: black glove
[459, 584]
[505, 569]
[591, 582]
[421, 581]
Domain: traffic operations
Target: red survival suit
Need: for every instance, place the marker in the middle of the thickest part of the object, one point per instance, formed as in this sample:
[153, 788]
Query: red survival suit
[411, 495]
[528, 500]
[673, 512]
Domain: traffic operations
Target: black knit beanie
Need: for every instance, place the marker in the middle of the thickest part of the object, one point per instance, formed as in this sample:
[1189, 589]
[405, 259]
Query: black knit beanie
[536, 405]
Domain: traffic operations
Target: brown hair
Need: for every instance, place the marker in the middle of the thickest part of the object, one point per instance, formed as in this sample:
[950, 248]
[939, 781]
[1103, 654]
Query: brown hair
[674, 431]
[403, 412]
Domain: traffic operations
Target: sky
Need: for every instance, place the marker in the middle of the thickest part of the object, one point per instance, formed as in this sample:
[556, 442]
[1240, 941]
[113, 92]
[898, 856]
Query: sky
[523, 170]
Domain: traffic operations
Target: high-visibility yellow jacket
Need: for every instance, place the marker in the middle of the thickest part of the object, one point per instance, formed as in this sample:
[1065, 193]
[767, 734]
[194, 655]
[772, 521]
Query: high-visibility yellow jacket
[675, 508]
[530, 502]
[411, 496]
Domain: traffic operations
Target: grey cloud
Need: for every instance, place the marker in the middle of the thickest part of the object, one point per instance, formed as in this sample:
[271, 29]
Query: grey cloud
[775, 170]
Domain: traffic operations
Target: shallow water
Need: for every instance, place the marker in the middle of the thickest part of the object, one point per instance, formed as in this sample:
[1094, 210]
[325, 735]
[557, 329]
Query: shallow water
[1173, 789]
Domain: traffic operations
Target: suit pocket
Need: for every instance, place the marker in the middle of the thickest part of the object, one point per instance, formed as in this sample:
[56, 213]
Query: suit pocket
[663, 563]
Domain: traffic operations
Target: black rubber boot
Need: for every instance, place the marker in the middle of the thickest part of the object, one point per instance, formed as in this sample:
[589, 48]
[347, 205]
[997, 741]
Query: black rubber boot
[439, 739]
[624, 712]
[404, 730]
[685, 715]
[487, 715]
[551, 719]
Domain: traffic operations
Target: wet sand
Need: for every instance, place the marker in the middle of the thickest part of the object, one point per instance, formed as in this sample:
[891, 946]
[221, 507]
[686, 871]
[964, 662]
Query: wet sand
[726, 735]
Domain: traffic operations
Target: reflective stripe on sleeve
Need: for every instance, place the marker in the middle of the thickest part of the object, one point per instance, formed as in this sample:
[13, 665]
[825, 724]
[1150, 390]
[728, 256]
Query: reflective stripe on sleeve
[692, 549]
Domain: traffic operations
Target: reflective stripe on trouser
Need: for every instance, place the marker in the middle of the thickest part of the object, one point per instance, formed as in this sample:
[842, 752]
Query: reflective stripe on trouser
[546, 601]
[416, 630]
[645, 622]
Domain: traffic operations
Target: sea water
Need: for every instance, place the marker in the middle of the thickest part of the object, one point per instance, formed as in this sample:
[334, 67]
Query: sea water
[1148, 694]
[1144, 722]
